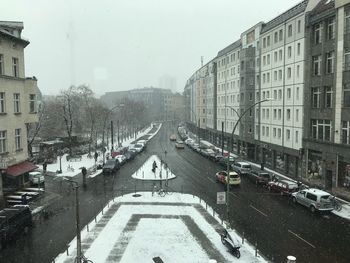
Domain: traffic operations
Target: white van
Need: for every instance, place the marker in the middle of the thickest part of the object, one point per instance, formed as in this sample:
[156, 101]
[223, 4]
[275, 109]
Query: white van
[314, 199]
[36, 178]
[241, 167]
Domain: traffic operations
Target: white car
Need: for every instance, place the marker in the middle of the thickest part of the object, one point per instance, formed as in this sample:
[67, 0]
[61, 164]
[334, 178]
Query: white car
[241, 167]
[138, 147]
[121, 158]
[36, 178]
[314, 199]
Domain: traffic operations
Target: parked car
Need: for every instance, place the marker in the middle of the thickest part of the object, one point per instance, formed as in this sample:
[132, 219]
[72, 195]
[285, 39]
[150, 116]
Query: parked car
[221, 177]
[241, 167]
[314, 199]
[284, 187]
[121, 159]
[14, 221]
[172, 137]
[188, 141]
[259, 177]
[111, 166]
[180, 145]
[129, 155]
[223, 161]
[209, 153]
[143, 142]
[36, 177]
[138, 147]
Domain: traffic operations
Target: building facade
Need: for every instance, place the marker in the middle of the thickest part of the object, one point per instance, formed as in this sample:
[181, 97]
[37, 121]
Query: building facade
[18, 108]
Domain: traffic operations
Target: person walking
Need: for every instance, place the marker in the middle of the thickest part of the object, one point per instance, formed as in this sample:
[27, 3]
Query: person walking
[44, 166]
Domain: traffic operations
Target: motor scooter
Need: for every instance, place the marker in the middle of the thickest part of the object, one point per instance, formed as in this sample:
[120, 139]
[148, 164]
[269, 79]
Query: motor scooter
[227, 240]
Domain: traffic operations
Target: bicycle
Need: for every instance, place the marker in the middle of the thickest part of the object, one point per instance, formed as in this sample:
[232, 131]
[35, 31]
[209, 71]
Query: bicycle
[162, 192]
[70, 168]
[336, 204]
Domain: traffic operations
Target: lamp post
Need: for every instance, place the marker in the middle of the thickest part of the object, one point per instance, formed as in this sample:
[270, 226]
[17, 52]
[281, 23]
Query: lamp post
[240, 116]
[104, 127]
[77, 218]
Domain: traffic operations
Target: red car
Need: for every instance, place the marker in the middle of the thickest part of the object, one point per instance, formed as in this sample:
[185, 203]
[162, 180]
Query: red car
[284, 187]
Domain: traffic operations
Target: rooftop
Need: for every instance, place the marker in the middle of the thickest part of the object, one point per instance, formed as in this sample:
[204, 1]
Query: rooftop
[229, 48]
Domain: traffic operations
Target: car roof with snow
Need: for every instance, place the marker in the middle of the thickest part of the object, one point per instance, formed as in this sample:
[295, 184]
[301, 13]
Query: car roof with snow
[316, 191]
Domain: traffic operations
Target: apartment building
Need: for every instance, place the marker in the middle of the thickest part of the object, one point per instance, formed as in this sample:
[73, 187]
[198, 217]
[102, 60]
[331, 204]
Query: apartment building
[327, 96]
[228, 91]
[18, 107]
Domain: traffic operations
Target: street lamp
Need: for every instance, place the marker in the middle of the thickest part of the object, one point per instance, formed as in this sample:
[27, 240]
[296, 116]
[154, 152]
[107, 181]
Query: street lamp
[77, 217]
[240, 116]
[104, 127]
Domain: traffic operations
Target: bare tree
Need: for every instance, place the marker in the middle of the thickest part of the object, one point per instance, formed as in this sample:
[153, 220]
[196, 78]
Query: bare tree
[34, 128]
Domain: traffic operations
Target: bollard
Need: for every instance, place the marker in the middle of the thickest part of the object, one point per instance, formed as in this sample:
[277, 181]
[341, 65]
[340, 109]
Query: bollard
[222, 221]
[256, 249]
[291, 259]
[95, 220]
[206, 206]
[213, 213]
[243, 238]
[200, 200]
[108, 204]
[102, 211]
[67, 252]
[87, 227]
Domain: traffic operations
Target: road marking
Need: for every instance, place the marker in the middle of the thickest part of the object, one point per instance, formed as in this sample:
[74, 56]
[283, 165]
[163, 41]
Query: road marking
[211, 180]
[234, 194]
[296, 235]
[256, 209]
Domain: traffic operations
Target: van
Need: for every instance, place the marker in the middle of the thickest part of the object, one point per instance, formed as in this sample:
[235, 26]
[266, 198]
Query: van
[241, 167]
[314, 199]
[14, 221]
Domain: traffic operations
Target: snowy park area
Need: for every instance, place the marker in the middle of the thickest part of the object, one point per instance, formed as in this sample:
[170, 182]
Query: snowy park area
[175, 228]
[162, 172]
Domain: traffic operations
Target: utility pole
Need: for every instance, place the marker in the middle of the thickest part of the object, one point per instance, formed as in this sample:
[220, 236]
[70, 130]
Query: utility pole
[118, 132]
[112, 137]
[222, 138]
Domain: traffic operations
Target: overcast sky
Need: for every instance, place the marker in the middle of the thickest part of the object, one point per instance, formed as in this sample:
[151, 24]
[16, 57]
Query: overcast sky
[114, 45]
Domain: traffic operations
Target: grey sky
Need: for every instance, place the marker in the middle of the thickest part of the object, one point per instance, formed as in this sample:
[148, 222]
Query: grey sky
[126, 44]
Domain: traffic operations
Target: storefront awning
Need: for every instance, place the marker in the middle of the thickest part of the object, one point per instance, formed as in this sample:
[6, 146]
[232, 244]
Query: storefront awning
[20, 168]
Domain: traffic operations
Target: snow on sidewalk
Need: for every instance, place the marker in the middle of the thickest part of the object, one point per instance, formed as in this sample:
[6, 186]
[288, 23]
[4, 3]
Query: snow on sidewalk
[176, 228]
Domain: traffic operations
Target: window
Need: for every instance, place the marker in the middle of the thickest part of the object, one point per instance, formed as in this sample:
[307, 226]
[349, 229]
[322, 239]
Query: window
[267, 131]
[16, 103]
[18, 139]
[274, 132]
[263, 130]
[345, 132]
[321, 130]
[275, 75]
[268, 77]
[280, 54]
[288, 134]
[276, 37]
[263, 113]
[330, 62]
[275, 56]
[298, 71]
[346, 99]
[15, 67]
[267, 113]
[288, 114]
[279, 94]
[289, 52]
[275, 94]
[328, 97]
[289, 93]
[298, 90]
[2, 102]
[32, 102]
[264, 42]
[280, 74]
[279, 114]
[3, 141]
[317, 33]
[347, 60]
[250, 96]
[316, 62]
[330, 28]
[290, 30]
[297, 115]
[279, 131]
[268, 41]
[268, 59]
[1, 64]
[289, 72]
[298, 48]
[296, 136]
[299, 26]
[347, 21]
[274, 114]
[264, 60]
[316, 93]
[280, 35]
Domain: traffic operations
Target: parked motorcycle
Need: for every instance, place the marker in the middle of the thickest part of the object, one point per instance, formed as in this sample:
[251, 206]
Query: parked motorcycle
[227, 240]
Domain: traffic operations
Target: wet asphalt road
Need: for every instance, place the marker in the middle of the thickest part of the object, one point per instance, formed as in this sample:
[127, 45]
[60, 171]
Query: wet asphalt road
[278, 227]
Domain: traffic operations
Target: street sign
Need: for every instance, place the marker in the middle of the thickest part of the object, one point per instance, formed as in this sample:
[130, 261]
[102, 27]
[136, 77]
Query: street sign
[221, 198]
